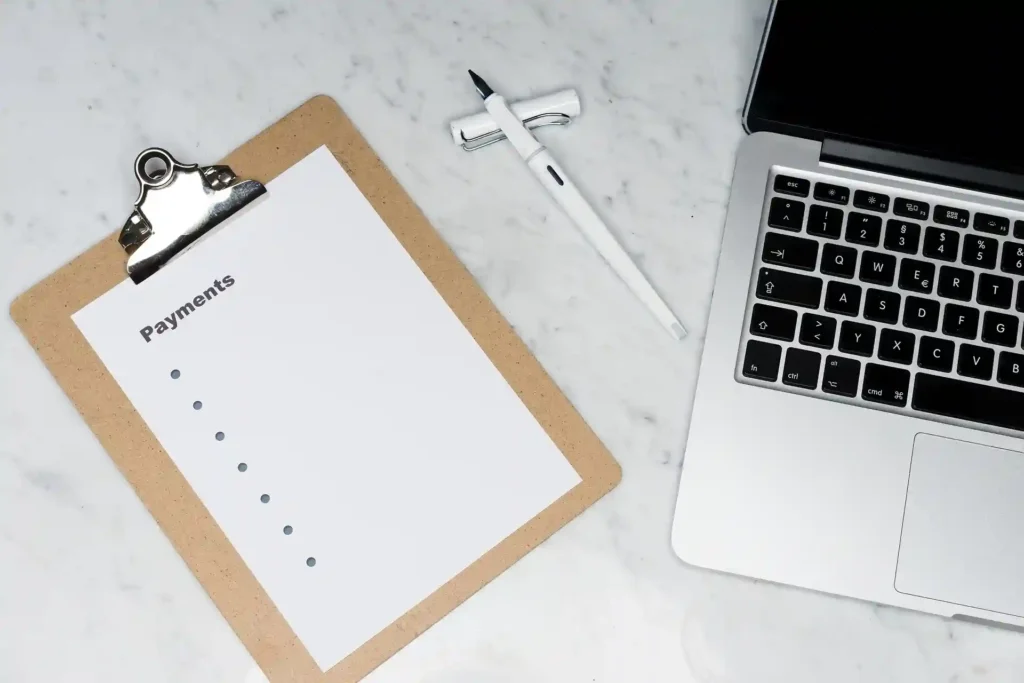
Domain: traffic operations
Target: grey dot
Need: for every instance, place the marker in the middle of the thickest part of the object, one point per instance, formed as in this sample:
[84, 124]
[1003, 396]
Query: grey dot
[287, 530]
[197, 405]
[310, 561]
[242, 467]
[175, 374]
[264, 498]
[219, 436]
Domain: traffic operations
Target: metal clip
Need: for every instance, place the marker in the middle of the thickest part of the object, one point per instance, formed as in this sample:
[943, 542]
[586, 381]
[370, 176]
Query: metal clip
[178, 203]
[476, 142]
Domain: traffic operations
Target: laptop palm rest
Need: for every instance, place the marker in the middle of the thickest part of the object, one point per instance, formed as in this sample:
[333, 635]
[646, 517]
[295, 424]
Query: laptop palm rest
[962, 526]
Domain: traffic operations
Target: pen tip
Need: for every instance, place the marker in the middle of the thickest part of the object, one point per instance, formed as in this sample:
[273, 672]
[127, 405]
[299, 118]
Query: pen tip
[481, 85]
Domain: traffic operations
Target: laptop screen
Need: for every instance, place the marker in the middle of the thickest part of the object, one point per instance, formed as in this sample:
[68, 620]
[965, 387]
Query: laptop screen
[942, 80]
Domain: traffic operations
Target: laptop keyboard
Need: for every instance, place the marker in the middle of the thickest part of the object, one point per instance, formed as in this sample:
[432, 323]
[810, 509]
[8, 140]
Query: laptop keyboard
[901, 303]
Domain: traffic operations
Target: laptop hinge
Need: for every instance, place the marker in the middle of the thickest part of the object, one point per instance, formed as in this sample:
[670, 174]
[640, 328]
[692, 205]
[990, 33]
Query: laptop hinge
[922, 168]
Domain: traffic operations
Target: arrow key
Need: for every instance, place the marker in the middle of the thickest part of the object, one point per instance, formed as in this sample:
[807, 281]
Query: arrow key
[786, 250]
[773, 322]
[818, 330]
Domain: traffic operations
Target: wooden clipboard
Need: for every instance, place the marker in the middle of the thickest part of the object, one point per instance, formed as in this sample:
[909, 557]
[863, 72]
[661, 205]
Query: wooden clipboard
[44, 315]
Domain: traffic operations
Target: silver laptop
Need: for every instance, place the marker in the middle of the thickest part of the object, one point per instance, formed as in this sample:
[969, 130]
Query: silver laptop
[858, 425]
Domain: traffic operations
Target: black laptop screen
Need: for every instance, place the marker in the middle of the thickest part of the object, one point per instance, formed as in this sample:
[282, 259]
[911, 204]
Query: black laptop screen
[938, 79]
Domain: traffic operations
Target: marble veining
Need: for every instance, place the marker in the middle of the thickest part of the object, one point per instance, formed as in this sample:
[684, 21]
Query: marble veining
[90, 590]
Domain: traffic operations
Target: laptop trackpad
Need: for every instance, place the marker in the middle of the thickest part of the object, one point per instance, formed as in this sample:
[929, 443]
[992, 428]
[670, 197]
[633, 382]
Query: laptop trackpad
[962, 526]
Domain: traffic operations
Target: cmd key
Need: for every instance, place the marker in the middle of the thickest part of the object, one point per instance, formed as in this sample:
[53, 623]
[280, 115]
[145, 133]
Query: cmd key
[788, 288]
[885, 384]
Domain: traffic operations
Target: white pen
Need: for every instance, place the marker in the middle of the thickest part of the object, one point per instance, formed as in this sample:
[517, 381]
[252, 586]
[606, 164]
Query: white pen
[553, 178]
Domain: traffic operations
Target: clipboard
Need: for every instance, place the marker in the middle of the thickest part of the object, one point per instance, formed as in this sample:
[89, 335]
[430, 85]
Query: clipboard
[44, 315]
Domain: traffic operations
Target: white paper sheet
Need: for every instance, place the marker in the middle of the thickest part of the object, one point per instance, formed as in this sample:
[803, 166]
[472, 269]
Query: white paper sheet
[385, 439]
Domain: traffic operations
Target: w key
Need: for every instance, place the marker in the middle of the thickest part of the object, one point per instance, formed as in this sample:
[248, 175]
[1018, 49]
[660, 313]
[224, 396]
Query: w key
[786, 250]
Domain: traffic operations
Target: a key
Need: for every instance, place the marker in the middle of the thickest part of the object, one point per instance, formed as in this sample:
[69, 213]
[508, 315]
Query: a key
[787, 250]
[841, 376]
[801, 369]
[980, 251]
[838, 261]
[882, 306]
[761, 360]
[773, 322]
[789, 288]
[969, 401]
[917, 276]
[1011, 369]
[818, 330]
[798, 187]
[902, 236]
[911, 208]
[878, 268]
[936, 354]
[872, 201]
[1013, 257]
[863, 229]
[843, 298]
[885, 384]
[941, 244]
[999, 328]
[947, 215]
[975, 361]
[896, 346]
[993, 225]
[956, 283]
[787, 214]
[995, 290]
[825, 221]
[857, 338]
[921, 314]
[827, 192]
[960, 321]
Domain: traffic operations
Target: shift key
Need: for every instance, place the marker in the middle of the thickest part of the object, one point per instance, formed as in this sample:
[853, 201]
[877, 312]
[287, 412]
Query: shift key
[787, 250]
[788, 288]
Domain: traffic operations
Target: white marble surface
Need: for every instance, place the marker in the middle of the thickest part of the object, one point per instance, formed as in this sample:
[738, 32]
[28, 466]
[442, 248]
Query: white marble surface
[90, 590]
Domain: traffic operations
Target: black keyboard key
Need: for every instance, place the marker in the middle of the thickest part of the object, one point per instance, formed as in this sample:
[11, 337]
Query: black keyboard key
[1020, 296]
[857, 338]
[956, 283]
[825, 221]
[787, 214]
[882, 306]
[787, 250]
[1013, 258]
[910, 208]
[801, 369]
[936, 354]
[994, 225]
[999, 328]
[827, 192]
[785, 184]
[902, 236]
[980, 251]
[789, 288]
[969, 401]
[1011, 369]
[896, 346]
[761, 360]
[838, 260]
[947, 215]
[863, 229]
[975, 361]
[960, 321]
[872, 201]
[1018, 229]
[842, 375]
[995, 290]
[921, 314]
[878, 268]
[843, 298]
[885, 384]
[818, 330]
[917, 276]
[773, 322]
[941, 244]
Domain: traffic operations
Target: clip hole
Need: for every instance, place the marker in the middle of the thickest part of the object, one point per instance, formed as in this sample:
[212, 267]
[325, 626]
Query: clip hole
[154, 169]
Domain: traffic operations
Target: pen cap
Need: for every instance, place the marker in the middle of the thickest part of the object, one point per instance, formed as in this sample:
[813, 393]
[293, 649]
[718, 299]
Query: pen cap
[479, 130]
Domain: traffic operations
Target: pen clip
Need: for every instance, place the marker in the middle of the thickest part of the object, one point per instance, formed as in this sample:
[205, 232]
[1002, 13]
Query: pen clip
[549, 119]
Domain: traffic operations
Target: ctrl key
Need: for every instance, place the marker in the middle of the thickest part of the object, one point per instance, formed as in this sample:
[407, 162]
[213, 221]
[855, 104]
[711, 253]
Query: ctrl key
[885, 384]
[761, 360]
